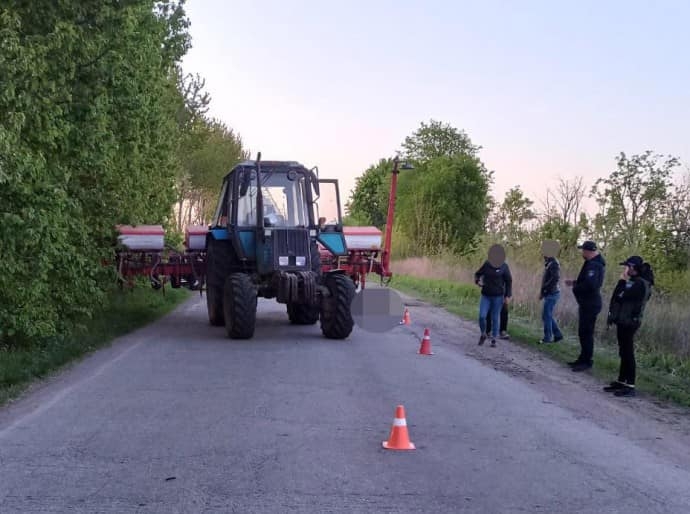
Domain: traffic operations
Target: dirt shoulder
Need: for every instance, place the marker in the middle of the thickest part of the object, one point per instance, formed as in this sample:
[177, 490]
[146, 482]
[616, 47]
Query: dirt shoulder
[658, 427]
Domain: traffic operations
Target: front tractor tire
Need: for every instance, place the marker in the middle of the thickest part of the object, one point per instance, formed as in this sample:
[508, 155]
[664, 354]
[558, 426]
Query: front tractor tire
[239, 306]
[302, 314]
[336, 313]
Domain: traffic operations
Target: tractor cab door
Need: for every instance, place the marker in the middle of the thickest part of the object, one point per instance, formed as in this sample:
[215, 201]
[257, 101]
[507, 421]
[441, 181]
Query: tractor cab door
[246, 214]
[329, 218]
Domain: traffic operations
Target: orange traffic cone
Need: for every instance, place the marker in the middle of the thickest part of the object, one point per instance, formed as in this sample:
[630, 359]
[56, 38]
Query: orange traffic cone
[399, 438]
[425, 347]
[406, 318]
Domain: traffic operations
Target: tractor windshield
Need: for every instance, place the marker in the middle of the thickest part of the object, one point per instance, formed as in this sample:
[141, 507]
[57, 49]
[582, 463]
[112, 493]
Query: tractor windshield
[284, 200]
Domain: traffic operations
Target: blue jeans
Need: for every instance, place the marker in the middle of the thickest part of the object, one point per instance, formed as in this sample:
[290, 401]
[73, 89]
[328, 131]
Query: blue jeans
[491, 304]
[551, 329]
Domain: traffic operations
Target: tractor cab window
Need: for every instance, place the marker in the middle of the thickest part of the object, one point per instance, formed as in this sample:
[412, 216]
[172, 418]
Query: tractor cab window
[246, 203]
[285, 201]
[220, 218]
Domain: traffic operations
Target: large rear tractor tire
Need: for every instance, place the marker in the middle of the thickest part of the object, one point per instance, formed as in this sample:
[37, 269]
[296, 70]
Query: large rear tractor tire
[214, 306]
[302, 314]
[336, 314]
[218, 258]
[239, 306]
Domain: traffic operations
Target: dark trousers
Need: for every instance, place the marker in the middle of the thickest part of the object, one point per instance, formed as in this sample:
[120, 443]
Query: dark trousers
[626, 351]
[587, 320]
[504, 320]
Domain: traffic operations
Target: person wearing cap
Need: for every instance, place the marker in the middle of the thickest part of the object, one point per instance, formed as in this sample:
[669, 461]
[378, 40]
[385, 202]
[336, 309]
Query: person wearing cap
[625, 311]
[587, 291]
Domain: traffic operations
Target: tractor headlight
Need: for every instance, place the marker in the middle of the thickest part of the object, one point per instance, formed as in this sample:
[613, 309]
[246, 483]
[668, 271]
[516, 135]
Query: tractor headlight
[283, 260]
[300, 260]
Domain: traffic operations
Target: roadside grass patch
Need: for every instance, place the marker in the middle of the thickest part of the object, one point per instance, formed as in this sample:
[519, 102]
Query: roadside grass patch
[659, 373]
[123, 312]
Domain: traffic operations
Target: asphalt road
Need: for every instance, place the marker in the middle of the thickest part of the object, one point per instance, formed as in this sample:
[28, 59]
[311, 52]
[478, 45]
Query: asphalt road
[176, 418]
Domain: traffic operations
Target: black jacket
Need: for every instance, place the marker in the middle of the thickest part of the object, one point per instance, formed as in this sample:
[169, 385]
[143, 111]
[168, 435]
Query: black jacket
[496, 281]
[628, 301]
[587, 287]
[551, 277]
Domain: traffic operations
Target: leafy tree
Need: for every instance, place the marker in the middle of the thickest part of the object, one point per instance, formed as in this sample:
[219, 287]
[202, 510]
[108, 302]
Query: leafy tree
[88, 133]
[368, 202]
[633, 197]
[218, 149]
[369, 199]
[437, 139]
[512, 215]
[443, 205]
[668, 242]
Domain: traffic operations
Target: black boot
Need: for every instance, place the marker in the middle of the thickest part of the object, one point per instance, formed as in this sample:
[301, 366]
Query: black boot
[615, 386]
[626, 391]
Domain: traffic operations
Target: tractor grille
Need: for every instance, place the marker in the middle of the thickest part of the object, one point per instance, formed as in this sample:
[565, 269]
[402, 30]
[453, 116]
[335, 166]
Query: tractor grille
[290, 244]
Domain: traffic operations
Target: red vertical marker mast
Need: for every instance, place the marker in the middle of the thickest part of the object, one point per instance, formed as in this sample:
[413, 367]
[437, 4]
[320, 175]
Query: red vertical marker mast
[386, 254]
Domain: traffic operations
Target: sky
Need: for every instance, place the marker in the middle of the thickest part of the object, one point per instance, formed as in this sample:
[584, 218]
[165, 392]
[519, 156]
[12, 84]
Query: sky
[547, 89]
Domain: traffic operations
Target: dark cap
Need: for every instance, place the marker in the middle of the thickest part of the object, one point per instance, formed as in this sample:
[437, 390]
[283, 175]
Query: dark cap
[588, 245]
[634, 260]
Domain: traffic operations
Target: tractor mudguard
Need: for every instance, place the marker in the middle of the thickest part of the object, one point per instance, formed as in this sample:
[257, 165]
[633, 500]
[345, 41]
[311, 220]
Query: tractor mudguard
[334, 242]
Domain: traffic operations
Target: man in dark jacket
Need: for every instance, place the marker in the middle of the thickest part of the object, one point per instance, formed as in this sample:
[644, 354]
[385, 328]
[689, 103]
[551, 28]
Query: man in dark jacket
[550, 292]
[625, 311]
[587, 291]
[496, 283]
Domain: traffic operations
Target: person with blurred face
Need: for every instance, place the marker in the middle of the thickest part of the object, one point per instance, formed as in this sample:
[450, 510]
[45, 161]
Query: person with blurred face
[496, 282]
[587, 291]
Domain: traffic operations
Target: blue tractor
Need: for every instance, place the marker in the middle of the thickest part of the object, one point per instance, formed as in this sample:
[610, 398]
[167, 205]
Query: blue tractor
[262, 242]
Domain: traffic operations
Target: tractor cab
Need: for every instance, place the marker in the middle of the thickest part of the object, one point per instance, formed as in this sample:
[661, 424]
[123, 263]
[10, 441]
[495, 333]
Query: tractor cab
[266, 210]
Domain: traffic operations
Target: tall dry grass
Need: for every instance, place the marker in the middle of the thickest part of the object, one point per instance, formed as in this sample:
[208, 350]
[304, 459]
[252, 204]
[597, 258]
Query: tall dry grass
[666, 325]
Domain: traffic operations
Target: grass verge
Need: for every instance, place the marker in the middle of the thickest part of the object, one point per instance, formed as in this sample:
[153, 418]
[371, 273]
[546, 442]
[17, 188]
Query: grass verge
[661, 375]
[123, 312]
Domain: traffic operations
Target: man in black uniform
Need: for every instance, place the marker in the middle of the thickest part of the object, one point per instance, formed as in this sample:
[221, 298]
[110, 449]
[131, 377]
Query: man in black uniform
[587, 291]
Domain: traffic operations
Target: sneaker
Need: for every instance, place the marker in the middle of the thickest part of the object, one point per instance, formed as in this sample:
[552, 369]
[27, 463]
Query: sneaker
[626, 391]
[504, 335]
[559, 338]
[614, 386]
[545, 341]
[482, 338]
[493, 343]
